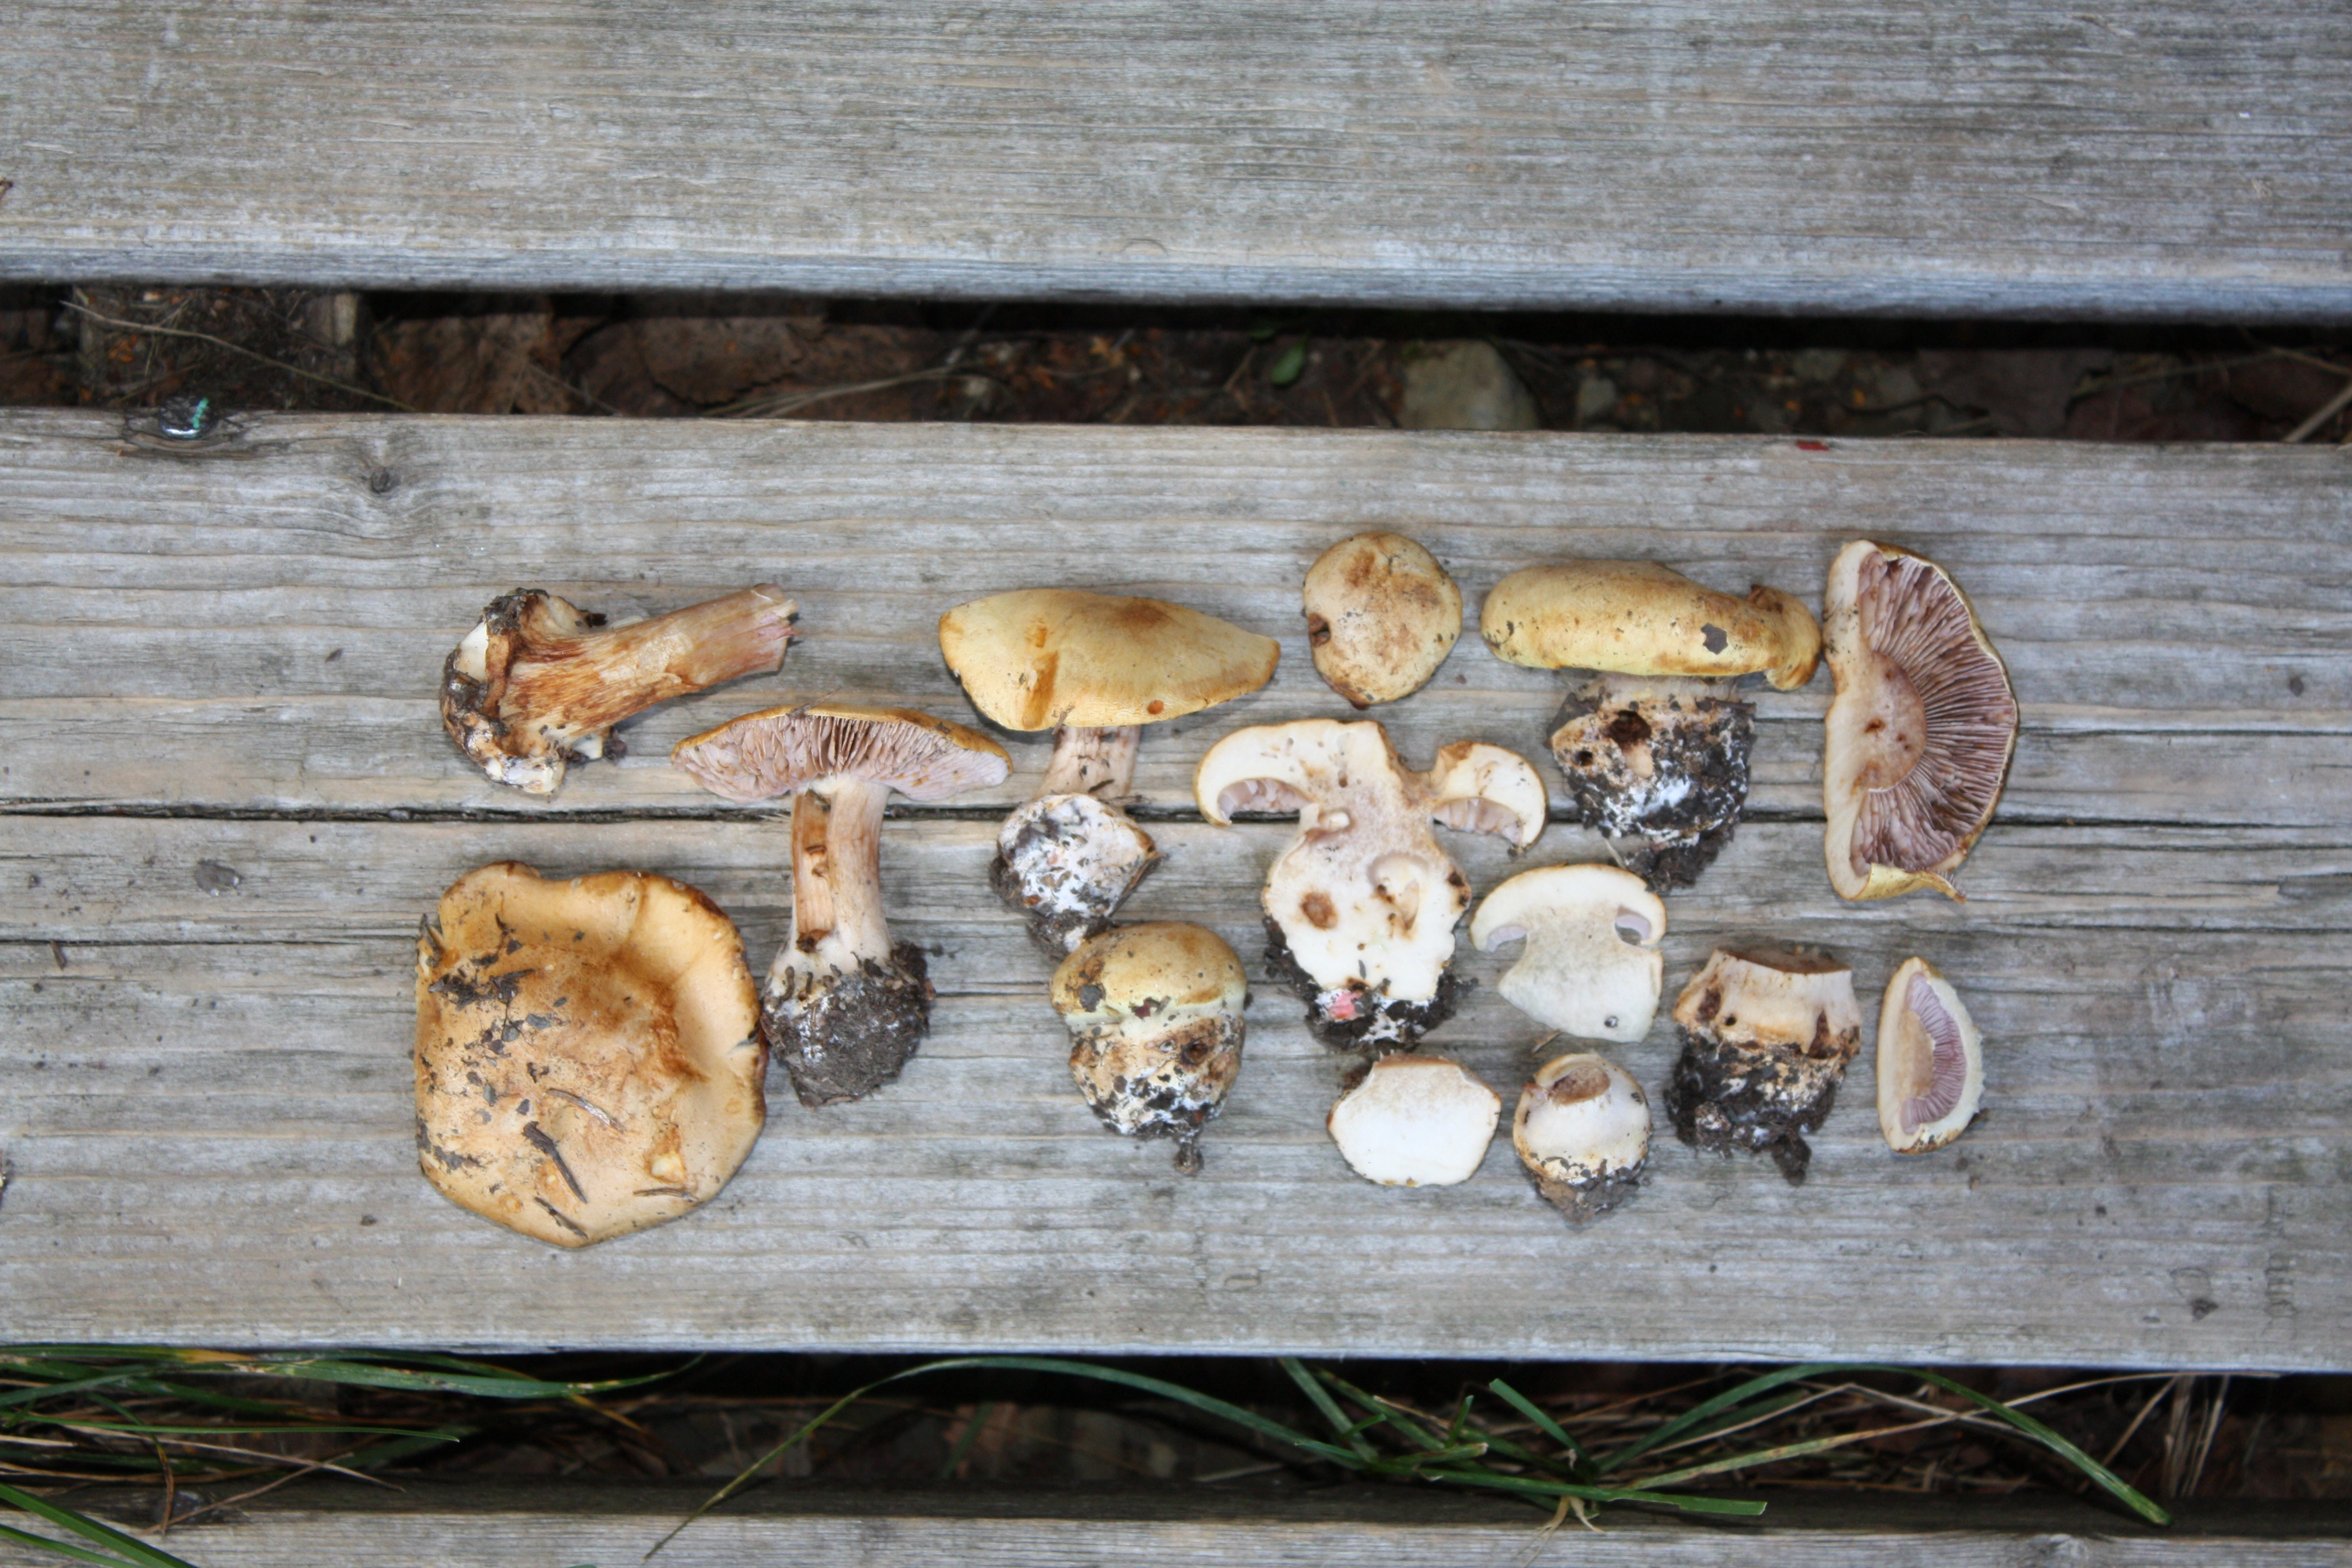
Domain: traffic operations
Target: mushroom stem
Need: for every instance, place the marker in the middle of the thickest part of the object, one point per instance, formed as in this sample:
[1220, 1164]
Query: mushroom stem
[1099, 762]
[837, 924]
[593, 680]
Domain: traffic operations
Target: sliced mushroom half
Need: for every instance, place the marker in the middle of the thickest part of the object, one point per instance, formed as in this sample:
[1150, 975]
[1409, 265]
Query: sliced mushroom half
[1415, 1122]
[1591, 967]
[1766, 1037]
[1583, 1130]
[1155, 1018]
[1930, 1061]
[1382, 616]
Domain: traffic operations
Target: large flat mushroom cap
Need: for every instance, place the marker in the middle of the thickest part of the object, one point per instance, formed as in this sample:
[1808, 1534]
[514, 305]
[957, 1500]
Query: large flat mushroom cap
[783, 751]
[1637, 617]
[1382, 616]
[1038, 658]
[1930, 1061]
[588, 1053]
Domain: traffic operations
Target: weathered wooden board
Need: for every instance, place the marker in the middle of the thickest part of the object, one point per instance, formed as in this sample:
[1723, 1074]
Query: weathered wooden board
[2167, 158]
[204, 1086]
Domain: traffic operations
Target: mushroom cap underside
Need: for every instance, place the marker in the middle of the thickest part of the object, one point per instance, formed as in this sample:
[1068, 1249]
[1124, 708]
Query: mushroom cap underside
[1472, 786]
[783, 751]
[1592, 967]
[1038, 659]
[1382, 616]
[1637, 617]
[1930, 1061]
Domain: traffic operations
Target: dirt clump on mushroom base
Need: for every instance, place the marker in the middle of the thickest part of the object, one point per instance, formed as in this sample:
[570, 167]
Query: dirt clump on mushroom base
[1662, 763]
[842, 1037]
[1349, 1017]
[1766, 1037]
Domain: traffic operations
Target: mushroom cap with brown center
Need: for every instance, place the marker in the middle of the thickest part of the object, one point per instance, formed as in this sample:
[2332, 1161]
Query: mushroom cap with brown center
[1039, 658]
[1583, 1130]
[1637, 617]
[1382, 616]
[588, 1053]
[783, 751]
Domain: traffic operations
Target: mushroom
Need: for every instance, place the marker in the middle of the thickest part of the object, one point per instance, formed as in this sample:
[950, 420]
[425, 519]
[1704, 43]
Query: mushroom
[1921, 732]
[1415, 1122]
[1591, 967]
[1930, 1061]
[1584, 1133]
[1155, 1018]
[540, 682]
[1093, 668]
[1382, 616]
[1655, 746]
[1360, 907]
[845, 1006]
[1766, 1037]
[588, 1052]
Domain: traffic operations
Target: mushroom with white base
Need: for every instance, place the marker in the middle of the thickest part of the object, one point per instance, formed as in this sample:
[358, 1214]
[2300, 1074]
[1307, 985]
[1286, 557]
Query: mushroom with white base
[1155, 1018]
[1584, 1133]
[1766, 1037]
[1094, 669]
[845, 1006]
[1591, 967]
[1382, 616]
[1360, 907]
[1930, 1061]
[1415, 1122]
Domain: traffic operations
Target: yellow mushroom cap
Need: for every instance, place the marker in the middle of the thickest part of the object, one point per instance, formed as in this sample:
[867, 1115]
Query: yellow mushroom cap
[1038, 659]
[1149, 970]
[1636, 617]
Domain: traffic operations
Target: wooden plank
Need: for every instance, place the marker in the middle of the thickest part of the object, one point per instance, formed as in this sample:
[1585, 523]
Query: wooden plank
[2170, 160]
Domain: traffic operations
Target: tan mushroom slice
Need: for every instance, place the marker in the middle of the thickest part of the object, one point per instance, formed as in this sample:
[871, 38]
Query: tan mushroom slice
[1921, 732]
[588, 1053]
[1655, 746]
[1382, 616]
[1583, 1130]
[845, 1006]
[1591, 967]
[1415, 1122]
[1094, 669]
[1766, 1037]
[1155, 1018]
[1930, 1061]
[540, 682]
[1360, 907]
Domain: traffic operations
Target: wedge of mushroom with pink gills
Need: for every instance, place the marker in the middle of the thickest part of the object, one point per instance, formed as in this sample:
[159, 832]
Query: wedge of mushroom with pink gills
[540, 682]
[1583, 1130]
[1921, 732]
[1590, 966]
[1767, 1033]
[1654, 743]
[1360, 907]
[1930, 1061]
[1155, 1018]
[844, 1006]
[1407, 1120]
[1094, 669]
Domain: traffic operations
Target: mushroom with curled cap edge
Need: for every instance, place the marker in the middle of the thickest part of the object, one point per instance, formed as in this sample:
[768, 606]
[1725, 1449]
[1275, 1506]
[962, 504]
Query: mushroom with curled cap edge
[1094, 669]
[1591, 967]
[1655, 745]
[845, 1006]
[1583, 1130]
[1409, 1121]
[1155, 1018]
[1919, 736]
[1382, 616]
[1360, 907]
[1766, 1037]
[1930, 1061]
[588, 1052]
[540, 682]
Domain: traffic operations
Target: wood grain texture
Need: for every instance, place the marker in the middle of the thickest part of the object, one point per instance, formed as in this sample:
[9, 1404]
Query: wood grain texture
[2167, 159]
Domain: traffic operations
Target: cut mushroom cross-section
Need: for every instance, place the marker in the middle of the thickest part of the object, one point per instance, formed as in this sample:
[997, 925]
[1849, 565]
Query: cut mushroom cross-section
[1382, 616]
[1930, 1061]
[844, 1006]
[1360, 907]
[1155, 1018]
[1583, 1130]
[1591, 967]
[1766, 1037]
[1415, 1122]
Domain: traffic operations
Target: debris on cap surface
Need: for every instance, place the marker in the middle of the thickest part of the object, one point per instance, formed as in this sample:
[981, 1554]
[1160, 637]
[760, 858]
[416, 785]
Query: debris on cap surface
[1155, 1015]
[1767, 1033]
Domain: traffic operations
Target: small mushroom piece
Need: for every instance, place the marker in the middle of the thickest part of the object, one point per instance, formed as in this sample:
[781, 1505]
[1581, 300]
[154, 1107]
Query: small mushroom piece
[1415, 1122]
[1766, 1037]
[1921, 732]
[588, 1053]
[1930, 1061]
[1382, 616]
[1591, 967]
[1094, 669]
[1360, 907]
[540, 682]
[845, 1006]
[1584, 1133]
[1655, 746]
[1155, 1018]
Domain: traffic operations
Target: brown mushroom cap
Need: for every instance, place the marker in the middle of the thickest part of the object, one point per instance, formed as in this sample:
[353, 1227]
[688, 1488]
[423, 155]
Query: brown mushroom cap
[1919, 737]
[783, 751]
[1636, 617]
[1038, 658]
[588, 1053]
[1382, 616]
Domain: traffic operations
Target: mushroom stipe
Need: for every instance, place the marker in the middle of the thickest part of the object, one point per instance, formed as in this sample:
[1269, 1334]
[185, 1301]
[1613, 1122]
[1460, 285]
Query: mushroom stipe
[1766, 1037]
[842, 1037]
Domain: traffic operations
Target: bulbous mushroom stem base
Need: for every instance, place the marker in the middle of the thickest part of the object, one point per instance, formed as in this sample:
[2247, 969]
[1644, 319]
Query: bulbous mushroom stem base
[1357, 1017]
[1726, 1098]
[1584, 1202]
[1065, 863]
[1171, 1085]
[1662, 761]
[842, 1034]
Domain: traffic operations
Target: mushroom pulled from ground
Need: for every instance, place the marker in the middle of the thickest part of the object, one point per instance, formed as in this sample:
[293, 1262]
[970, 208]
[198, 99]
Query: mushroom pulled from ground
[1094, 669]
[1930, 1061]
[1584, 1133]
[540, 682]
[1591, 967]
[845, 1006]
[1921, 732]
[1415, 1122]
[1360, 907]
[1382, 616]
[1155, 1018]
[588, 1052]
[1655, 745]
[1766, 1037]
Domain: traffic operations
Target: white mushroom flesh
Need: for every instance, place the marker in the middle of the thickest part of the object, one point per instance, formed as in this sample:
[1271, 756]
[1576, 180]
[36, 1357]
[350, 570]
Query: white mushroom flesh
[1592, 967]
[1415, 1122]
[1583, 1130]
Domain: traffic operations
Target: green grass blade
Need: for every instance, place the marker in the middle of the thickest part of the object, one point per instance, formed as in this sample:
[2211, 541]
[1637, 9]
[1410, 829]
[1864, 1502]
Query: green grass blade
[1531, 1487]
[126, 1549]
[1728, 1399]
[64, 1549]
[1350, 1432]
[1536, 1413]
[2122, 1490]
[1414, 1432]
